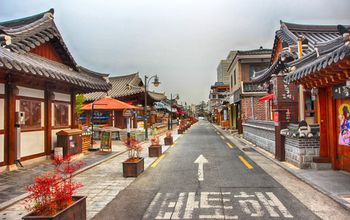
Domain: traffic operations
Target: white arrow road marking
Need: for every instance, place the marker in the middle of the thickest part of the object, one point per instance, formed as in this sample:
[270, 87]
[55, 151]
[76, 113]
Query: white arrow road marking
[201, 160]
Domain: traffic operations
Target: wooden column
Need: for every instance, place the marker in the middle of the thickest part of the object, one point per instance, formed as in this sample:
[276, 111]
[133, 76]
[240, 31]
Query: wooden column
[49, 97]
[10, 132]
[74, 123]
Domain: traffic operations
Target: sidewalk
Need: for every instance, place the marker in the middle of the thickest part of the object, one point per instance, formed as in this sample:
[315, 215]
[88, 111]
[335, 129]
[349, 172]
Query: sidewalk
[101, 183]
[334, 184]
[13, 184]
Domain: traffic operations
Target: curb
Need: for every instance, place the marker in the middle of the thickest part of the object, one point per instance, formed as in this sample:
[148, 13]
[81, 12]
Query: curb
[262, 153]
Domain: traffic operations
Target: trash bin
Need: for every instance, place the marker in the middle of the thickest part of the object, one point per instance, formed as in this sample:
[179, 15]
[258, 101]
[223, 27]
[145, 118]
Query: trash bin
[70, 140]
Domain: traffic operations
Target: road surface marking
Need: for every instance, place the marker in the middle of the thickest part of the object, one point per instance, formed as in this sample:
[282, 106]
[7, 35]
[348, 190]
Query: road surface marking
[178, 207]
[273, 202]
[216, 205]
[222, 137]
[201, 160]
[174, 144]
[152, 205]
[229, 145]
[155, 163]
[246, 163]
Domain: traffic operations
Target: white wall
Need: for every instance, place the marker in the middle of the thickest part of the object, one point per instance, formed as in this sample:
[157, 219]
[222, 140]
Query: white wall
[2, 149]
[32, 143]
[28, 92]
[62, 97]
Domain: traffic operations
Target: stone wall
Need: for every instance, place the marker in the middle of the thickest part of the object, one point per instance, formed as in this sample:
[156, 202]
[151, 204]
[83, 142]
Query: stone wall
[301, 150]
[261, 133]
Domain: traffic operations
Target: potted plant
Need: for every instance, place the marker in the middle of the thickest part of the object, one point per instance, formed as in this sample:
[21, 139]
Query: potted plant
[51, 195]
[134, 165]
[168, 140]
[180, 130]
[155, 149]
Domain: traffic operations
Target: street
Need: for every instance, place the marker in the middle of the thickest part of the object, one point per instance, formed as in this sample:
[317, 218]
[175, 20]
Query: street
[223, 183]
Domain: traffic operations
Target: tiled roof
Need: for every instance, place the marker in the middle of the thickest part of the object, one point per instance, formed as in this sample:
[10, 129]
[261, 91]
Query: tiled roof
[42, 67]
[125, 85]
[30, 32]
[315, 34]
[260, 51]
[120, 87]
[157, 96]
[320, 59]
[19, 37]
[320, 38]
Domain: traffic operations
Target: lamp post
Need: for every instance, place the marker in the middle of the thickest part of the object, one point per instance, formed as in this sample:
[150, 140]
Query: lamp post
[156, 84]
[170, 127]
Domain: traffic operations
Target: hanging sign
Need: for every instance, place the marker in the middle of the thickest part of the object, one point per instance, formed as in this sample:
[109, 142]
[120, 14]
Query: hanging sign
[127, 113]
[341, 92]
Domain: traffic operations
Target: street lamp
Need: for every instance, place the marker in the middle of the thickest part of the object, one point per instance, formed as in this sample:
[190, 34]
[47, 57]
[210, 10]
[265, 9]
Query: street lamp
[156, 84]
[170, 127]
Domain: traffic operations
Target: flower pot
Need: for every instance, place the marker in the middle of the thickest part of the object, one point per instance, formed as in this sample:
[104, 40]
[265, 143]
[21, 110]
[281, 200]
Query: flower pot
[133, 167]
[155, 150]
[168, 141]
[76, 211]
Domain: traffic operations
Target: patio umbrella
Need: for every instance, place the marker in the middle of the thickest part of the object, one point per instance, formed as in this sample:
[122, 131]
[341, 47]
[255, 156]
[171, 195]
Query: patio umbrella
[109, 103]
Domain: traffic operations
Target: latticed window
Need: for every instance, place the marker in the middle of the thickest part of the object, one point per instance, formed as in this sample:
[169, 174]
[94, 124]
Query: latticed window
[61, 114]
[32, 111]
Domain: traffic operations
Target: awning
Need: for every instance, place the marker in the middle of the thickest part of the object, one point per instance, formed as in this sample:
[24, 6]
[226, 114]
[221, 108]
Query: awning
[266, 97]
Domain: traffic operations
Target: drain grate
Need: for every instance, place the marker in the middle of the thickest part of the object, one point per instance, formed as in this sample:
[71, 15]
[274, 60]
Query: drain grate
[248, 149]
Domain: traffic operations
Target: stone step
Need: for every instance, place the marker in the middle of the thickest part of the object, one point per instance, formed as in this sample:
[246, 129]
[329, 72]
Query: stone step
[321, 166]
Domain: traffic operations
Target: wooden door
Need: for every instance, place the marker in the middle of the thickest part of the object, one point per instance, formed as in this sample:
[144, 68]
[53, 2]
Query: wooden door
[343, 132]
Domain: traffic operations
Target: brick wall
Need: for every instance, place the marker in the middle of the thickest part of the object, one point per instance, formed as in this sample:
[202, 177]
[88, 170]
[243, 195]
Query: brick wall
[300, 151]
[261, 133]
[259, 109]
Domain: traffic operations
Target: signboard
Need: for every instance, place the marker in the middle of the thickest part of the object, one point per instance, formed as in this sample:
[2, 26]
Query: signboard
[106, 140]
[237, 96]
[127, 113]
[341, 92]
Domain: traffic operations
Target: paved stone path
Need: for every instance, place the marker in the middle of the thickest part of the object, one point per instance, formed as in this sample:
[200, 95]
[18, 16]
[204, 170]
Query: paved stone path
[13, 184]
[102, 184]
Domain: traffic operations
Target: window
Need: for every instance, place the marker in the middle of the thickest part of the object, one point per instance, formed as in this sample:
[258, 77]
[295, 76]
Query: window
[255, 68]
[61, 114]
[32, 111]
[309, 104]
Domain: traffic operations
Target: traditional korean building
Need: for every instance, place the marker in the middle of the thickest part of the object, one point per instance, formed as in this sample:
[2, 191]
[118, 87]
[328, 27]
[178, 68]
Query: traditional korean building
[130, 89]
[243, 101]
[39, 77]
[323, 68]
[307, 68]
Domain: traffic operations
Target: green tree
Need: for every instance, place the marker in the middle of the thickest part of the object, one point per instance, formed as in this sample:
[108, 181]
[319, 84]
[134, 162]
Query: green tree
[79, 103]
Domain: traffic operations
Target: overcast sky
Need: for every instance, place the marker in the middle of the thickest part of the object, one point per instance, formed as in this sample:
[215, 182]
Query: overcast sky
[180, 40]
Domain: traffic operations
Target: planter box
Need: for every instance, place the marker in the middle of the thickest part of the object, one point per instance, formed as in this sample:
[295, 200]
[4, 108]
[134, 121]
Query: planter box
[180, 131]
[76, 211]
[155, 150]
[133, 168]
[168, 141]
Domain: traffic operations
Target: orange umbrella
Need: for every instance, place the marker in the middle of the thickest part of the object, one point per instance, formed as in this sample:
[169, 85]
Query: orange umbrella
[108, 103]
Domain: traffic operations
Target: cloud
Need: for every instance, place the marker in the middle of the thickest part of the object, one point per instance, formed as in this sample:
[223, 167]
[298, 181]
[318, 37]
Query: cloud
[182, 41]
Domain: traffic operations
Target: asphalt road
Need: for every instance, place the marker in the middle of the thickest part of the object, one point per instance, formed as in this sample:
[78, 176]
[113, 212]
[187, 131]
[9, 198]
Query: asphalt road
[230, 186]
